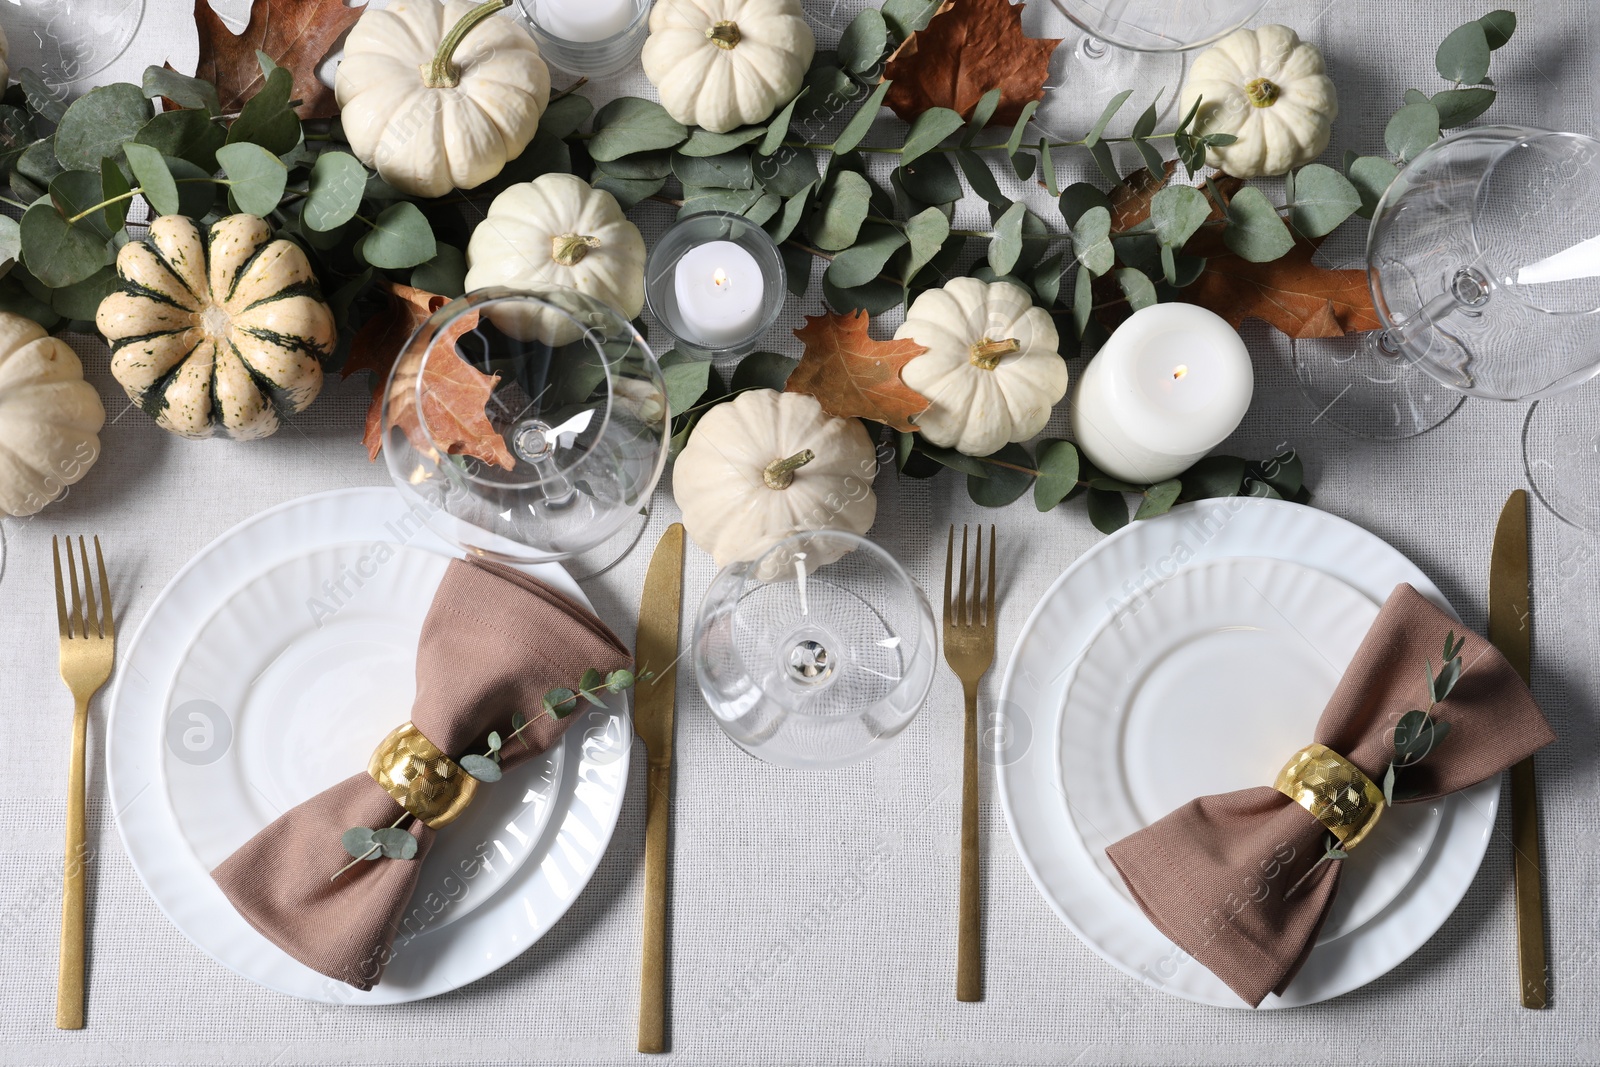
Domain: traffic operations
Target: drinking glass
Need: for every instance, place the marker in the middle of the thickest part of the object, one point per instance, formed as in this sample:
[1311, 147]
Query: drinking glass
[817, 653]
[574, 435]
[1483, 260]
[1111, 45]
[65, 41]
[1561, 453]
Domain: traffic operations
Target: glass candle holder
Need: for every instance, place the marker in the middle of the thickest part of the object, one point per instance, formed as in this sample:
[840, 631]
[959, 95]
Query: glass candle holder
[716, 282]
[590, 37]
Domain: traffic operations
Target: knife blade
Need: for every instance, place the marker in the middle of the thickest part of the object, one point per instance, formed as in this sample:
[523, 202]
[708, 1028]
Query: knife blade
[1509, 631]
[656, 653]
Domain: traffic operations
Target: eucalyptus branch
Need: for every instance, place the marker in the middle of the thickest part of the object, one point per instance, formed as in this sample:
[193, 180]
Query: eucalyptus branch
[375, 847]
[1417, 733]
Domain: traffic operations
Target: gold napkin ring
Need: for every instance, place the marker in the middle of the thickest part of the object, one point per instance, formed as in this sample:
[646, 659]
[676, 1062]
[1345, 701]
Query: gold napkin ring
[421, 778]
[1334, 791]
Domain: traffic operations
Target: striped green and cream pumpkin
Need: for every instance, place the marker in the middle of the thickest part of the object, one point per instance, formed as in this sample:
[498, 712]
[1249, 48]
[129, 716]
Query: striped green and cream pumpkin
[220, 331]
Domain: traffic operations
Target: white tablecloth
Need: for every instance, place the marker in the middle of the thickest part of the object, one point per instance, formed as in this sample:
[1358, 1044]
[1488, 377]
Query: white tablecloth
[814, 915]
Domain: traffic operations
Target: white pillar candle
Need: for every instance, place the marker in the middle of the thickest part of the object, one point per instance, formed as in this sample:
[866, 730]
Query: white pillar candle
[1173, 381]
[585, 20]
[720, 288]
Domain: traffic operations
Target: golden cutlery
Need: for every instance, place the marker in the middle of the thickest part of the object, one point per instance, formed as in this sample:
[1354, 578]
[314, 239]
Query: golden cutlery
[1509, 630]
[969, 650]
[656, 652]
[88, 641]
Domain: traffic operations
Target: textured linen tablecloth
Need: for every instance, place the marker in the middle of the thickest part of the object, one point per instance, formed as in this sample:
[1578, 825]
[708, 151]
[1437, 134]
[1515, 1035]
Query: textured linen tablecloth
[814, 915]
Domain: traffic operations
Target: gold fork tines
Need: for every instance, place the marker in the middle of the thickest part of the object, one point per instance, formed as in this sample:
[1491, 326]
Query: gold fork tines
[969, 650]
[88, 643]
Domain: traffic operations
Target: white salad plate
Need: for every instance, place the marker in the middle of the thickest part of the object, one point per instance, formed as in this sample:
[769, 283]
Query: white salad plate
[1192, 654]
[266, 671]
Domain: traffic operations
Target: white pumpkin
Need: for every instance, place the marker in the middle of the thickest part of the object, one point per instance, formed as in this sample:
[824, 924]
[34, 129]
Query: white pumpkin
[992, 371]
[439, 96]
[1267, 88]
[222, 331]
[720, 64]
[768, 465]
[557, 230]
[50, 418]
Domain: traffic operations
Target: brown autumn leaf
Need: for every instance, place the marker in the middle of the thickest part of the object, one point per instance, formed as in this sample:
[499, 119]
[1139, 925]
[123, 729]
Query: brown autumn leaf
[457, 394]
[970, 47]
[1292, 294]
[853, 376]
[296, 34]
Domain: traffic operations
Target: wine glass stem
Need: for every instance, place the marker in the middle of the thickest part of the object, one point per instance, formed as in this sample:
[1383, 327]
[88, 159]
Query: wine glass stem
[1393, 341]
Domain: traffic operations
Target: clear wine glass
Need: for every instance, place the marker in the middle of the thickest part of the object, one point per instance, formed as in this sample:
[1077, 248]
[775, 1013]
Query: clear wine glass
[575, 431]
[1483, 259]
[1561, 453]
[66, 41]
[1111, 45]
[816, 654]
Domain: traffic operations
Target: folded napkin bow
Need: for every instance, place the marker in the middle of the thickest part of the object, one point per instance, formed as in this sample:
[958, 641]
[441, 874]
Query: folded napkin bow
[1198, 871]
[494, 642]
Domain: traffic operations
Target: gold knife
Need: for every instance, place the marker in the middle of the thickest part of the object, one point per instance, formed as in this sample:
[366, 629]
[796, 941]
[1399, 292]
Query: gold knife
[1509, 620]
[656, 651]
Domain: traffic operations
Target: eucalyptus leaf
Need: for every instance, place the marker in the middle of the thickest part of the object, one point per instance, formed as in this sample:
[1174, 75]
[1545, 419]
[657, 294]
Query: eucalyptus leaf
[639, 165]
[1463, 56]
[267, 119]
[778, 127]
[628, 191]
[930, 180]
[482, 768]
[731, 170]
[862, 44]
[59, 254]
[445, 273]
[1080, 197]
[861, 122]
[1323, 198]
[1413, 128]
[1058, 474]
[1213, 476]
[155, 180]
[1255, 232]
[334, 191]
[1082, 300]
[1006, 245]
[1108, 511]
[256, 177]
[929, 131]
[1099, 127]
[1100, 152]
[759, 370]
[926, 232]
[686, 383]
[188, 135]
[400, 238]
[397, 844]
[1019, 130]
[703, 142]
[1498, 26]
[906, 17]
[35, 168]
[97, 124]
[864, 260]
[1371, 175]
[1158, 499]
[1137, 287]
[1176, 212]
[783, 225]
[981, 178]
[982, 112]
[697, 200]
[1457, 106]
[114, 190]
[196, 191]
[628, 124]
[82, 299]
[565, 116]
[358, 842]
[1003, 484]
[49, 101]
[874, 298]
[841, 209]
[786, 173]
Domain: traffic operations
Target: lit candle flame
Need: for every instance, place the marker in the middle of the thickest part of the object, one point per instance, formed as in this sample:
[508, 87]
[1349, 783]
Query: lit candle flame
[1179, 371]
[720, 278]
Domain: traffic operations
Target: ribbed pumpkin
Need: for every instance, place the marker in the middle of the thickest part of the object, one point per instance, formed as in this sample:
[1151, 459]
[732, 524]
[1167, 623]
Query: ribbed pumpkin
[225, 330]
[50, 418]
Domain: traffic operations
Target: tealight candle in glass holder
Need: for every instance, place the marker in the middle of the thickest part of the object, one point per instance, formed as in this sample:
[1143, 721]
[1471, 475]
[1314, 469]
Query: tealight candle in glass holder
[716, 282]
[590, 37]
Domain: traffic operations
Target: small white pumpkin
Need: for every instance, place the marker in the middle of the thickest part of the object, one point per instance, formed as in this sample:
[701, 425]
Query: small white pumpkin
[439, 96]
[768, 465]
[557, 230]
[993, 369]
[226, 330]
[1267, 88]
[50, 418]
[720, 64]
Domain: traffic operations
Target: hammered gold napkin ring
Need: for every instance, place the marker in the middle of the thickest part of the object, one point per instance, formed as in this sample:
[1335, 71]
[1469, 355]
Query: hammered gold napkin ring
[1334, 791]
[421, 778]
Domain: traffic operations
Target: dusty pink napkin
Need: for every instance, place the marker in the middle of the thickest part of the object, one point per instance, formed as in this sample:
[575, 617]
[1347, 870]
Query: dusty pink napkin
[495, 641]
[1199, 871]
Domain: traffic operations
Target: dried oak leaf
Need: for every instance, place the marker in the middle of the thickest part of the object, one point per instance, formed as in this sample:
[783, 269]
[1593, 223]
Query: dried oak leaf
[970, 47]
[296, 34]
[456, 396]
[854, 376]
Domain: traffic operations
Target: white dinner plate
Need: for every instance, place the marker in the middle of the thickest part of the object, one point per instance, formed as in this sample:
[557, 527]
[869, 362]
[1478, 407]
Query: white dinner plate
[1200, 686]
[312, 662]
[1041, 783]
[457, 930]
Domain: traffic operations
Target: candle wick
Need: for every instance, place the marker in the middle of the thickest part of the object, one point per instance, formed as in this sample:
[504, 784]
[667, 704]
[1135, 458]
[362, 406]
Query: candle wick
[720, 278]
[1179, 371]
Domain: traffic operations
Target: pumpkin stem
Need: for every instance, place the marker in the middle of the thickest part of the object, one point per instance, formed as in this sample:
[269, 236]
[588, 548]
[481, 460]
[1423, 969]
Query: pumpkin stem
[985, 355]
[1261, 93]
[568, 249]
[780, 472]
[724, 34]
[441, 72]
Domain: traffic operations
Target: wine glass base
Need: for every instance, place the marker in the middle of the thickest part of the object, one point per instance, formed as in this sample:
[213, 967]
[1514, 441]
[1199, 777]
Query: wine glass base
[1561, 455]
[1350, 383]
[593, 562]
[1087, 73]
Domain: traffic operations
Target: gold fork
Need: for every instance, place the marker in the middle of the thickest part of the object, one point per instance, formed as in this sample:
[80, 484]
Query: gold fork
[86, 658]
[969, 649]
